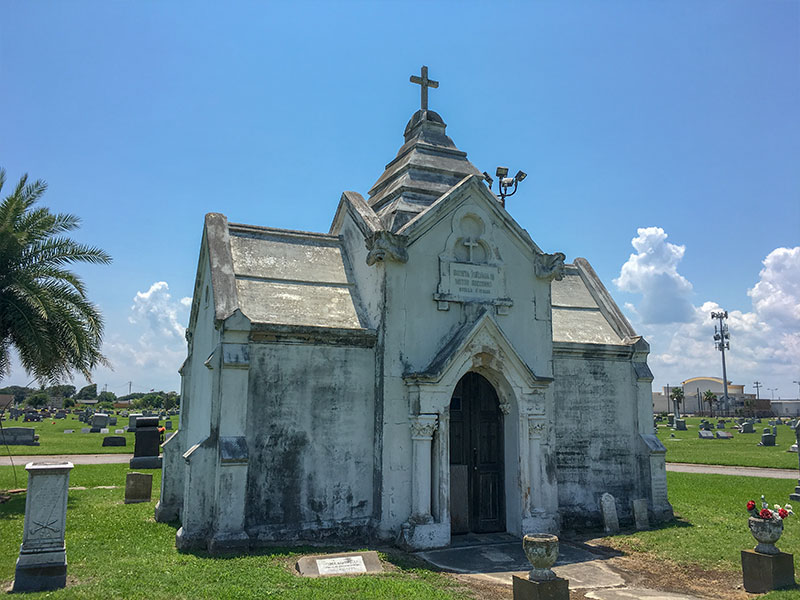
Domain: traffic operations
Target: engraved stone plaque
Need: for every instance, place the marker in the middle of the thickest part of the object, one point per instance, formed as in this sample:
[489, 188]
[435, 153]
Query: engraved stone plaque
[339, 564]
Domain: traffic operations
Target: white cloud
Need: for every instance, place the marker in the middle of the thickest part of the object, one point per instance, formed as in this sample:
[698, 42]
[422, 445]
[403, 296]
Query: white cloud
[777, 294]
[653, 273]
[765, 342]
[153, 358]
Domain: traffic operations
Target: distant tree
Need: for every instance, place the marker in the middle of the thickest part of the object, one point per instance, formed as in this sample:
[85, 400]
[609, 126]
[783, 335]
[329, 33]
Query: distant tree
[749, 403]
[44, 312]
[710, 397]
[88, 392]
[677, 396]
[38, 400]
[69, 402]
[109, 397]
[171, 401]
[62, 391]
[18, 392]
[105, 405]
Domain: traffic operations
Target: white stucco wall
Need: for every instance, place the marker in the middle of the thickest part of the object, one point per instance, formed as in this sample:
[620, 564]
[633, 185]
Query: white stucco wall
[597, 446]
[310, 436]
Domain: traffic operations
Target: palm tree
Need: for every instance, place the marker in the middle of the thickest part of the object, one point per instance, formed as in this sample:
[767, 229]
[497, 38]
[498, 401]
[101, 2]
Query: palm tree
[710, 397]
[44, 312]
[677, 397]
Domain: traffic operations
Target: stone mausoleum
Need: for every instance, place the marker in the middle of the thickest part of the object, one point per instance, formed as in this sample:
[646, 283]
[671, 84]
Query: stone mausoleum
[422, 370]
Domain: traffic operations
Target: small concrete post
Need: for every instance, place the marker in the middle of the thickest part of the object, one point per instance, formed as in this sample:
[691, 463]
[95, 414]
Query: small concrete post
[42, 562]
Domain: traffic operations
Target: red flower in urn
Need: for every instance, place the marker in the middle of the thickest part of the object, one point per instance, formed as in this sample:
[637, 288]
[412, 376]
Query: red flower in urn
[767, 525]
[765, 513]
[751, 505]
[783, 513]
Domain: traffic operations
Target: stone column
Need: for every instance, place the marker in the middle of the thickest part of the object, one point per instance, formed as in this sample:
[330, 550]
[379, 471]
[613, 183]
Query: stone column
[422, 428]
[544, 493]
[421, 532]
[42, 562]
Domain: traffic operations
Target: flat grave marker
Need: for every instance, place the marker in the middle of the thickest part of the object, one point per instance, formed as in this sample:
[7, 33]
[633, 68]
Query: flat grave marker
[353, 563]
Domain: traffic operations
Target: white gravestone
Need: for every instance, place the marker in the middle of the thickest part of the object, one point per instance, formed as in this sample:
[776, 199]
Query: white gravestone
[42, 562]
[640, 514]
[353, 563]
[609, 506]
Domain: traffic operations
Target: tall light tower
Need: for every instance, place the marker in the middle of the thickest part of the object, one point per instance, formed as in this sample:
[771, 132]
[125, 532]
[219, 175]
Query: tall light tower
[721, 337]
[798, 388]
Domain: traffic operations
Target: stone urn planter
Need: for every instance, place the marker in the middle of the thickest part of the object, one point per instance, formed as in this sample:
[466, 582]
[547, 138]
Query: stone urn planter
[766, 532]
[542, 552]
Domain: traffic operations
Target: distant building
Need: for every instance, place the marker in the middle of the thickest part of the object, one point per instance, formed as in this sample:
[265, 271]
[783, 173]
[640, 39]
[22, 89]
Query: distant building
[6, 400]
[695, 387]
[786, 408]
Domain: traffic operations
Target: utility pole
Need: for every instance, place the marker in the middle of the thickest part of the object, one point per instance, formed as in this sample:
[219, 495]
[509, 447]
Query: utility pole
[757, 385]
[130, 383]
[721, 337]
[798, 388]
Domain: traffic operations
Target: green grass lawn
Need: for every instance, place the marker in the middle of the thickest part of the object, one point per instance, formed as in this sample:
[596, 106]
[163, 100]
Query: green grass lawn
[53, 440]
[118, 551]
[711, 528]
[742, 450]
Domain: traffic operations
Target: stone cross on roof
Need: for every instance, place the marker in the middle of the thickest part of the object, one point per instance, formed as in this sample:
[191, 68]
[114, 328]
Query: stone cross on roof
[424, 83]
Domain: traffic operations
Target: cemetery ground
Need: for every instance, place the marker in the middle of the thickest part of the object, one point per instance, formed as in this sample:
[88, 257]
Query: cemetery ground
[743, 450]
[118, 551]
[53, 440]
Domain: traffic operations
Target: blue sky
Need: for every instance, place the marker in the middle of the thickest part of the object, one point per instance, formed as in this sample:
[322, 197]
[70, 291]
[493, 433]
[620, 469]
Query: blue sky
[681, 119]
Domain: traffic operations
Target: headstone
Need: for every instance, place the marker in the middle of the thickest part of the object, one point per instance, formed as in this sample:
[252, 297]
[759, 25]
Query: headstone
[104, 430]
[721, 425]
[132, 421]
[767, 430]
[18, 436]
[609, 507]
[793, 448]
[724, 435]
[774, 430]
[680, 424]
[69, 431]
[767, 439]
[705, 435]
[339, 564]
[119, 431]
[168, 424]
[138, 487]
[747, 428]
[112, 421]
[114, 440]
[42, 562]
[670, 420]
[640, 514]
[99, 420]
[147, 442]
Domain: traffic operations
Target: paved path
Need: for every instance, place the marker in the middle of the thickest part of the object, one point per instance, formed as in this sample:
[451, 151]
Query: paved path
[75, 459]
[727, 470]
[502, 556]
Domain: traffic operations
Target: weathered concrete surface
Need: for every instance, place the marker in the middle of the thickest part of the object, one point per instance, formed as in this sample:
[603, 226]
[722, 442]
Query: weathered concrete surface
[498, 562]
[75, 459]
[636, 594]
[729, 470]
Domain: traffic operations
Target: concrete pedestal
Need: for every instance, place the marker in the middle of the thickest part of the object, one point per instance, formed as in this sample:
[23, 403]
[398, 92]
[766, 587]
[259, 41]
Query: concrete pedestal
[554, 589]
[765, 572]
[42, 562]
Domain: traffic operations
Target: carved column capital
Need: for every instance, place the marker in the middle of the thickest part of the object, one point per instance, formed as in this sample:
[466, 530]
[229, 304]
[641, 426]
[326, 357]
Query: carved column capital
[385, 244]
[536, 427]
[505, 407]
[549, 266]
[423, 426]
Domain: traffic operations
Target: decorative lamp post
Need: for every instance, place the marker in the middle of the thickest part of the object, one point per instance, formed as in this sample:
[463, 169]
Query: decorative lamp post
[721, 337]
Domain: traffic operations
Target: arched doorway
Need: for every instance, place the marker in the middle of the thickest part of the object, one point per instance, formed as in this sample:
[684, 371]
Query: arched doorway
[477, 498]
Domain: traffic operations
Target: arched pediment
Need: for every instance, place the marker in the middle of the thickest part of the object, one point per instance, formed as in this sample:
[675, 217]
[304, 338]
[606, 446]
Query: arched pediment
[482, 347]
